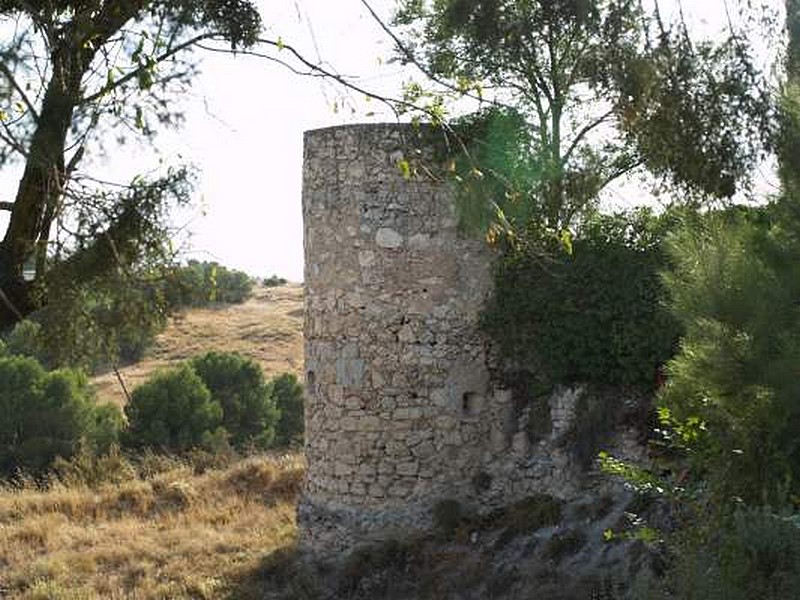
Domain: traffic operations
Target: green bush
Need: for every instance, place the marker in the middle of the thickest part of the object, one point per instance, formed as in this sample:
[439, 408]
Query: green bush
[25, 339]
[590, 314]
[752, 555]
[237, 384]
[204, 283]
[731, 396]
[288, 396]
[48, 414]
[172, 411]
[274, 281]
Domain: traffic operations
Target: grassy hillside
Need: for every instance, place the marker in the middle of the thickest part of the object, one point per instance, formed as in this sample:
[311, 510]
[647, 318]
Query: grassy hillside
[172, 528]
[267, 328]
[177, 534]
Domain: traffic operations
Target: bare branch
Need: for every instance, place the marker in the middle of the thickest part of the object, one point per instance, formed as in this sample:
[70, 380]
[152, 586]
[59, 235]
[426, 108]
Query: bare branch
[408, 55]
[583, 132]
[6, 206]
[10, 305]
[319, 71]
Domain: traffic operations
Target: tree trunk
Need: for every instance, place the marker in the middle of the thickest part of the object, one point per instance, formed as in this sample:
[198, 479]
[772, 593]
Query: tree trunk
[39, 190]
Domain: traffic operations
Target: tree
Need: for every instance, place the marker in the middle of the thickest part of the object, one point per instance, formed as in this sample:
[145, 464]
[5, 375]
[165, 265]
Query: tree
[173, 410]
[731, 399]
[237, 384]
[584, 92]
[288, 396]
[67, 69]
[48, 414]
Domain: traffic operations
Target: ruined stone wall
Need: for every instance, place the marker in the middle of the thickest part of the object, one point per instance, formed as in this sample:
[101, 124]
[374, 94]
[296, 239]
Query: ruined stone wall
[401, 411]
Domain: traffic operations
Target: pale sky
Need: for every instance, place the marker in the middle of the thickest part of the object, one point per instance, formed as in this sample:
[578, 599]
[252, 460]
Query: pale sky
[245, 131]
[245, 123]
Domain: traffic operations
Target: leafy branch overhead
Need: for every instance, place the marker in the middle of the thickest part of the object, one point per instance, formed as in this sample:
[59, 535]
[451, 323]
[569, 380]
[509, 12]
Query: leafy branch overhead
[578, 94]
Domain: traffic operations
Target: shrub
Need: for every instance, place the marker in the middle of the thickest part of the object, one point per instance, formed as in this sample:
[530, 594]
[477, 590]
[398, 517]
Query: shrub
[24, 339]
[731, 393]
[592, 315]
[752, 555]
[90, 468]
[237, 384]
[288, 396]
[274, 281]
[204, 283]
[47, 414]
[172, 411]
[104, 428]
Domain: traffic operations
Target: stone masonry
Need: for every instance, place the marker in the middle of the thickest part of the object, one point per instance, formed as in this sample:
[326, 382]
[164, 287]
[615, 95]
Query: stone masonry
[401, 410]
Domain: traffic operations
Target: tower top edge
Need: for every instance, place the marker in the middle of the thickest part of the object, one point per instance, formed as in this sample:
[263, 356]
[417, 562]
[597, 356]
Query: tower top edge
[368, 127]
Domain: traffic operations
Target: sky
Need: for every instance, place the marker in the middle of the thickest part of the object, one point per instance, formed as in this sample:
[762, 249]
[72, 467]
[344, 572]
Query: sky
[245, 119]
[244, 131]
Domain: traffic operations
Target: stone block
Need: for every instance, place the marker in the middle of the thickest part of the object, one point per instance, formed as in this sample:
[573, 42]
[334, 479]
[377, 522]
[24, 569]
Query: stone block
[388, 238]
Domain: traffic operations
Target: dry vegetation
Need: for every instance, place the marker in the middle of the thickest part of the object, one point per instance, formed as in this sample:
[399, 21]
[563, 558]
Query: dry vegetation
[267, 328]
[178, 534]
[170, 529]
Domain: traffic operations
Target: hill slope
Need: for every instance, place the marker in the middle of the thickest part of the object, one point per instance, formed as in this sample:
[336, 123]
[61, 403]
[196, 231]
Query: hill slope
[268, 328]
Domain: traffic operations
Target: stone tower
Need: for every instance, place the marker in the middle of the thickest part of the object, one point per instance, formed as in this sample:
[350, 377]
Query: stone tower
[400, 411]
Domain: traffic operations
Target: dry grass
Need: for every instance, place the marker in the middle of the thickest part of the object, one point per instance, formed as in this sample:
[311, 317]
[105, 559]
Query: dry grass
[173, 533]
[268, 328]
[177, 535]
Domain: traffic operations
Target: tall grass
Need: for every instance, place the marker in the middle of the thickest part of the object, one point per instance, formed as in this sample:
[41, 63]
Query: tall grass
[168, 532]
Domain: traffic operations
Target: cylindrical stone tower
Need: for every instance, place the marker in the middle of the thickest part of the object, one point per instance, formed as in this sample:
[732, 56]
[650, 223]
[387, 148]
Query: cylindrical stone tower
[400, 411]
[395, 367]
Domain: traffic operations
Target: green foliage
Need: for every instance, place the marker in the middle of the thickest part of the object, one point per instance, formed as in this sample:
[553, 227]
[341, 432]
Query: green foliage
[502, 177]
[121, 69]
[698, 113]
[114, 321]
[248, 403]
[25, 340]
[105, 427]
[287, 394]
[118, 317]
[579, 95]
[590, 316]
[274, 281]
[731, 398]
[172, 411]
[553, 60]
[753, 555]
[48, 414]
[204, 283]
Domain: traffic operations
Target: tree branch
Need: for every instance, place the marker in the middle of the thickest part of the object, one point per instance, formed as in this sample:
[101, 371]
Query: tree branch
[109, 87]
[12, 80]
[6, 206]
[583, 132]
[408, 55]
[317, 69]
